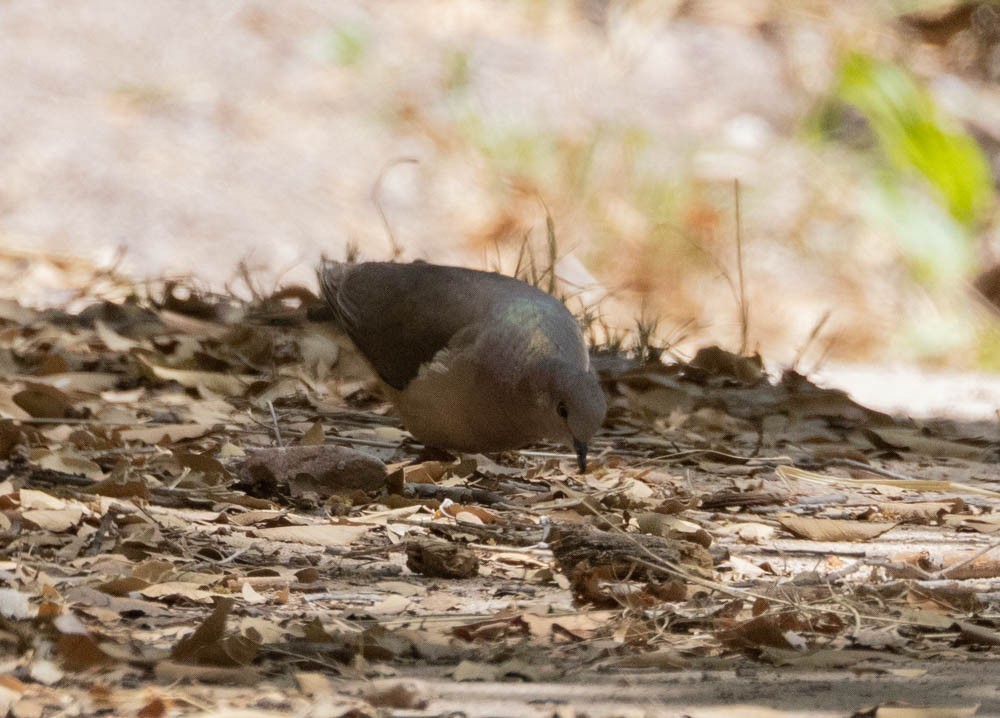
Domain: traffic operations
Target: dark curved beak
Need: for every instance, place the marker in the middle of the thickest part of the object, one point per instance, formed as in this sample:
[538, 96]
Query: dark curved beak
[581, 455]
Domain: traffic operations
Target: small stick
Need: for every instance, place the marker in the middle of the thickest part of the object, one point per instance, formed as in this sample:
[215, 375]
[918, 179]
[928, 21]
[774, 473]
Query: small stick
[744, 309]
[274, 418]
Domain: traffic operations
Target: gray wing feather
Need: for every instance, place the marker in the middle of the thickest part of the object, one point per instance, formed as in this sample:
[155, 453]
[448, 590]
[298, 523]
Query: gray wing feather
[401, 315]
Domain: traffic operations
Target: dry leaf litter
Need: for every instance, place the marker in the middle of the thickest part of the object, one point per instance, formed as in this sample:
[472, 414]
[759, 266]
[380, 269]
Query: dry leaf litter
[204, 492]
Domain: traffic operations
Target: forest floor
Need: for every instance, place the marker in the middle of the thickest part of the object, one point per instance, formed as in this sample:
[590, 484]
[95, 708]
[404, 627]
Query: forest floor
[207, 510]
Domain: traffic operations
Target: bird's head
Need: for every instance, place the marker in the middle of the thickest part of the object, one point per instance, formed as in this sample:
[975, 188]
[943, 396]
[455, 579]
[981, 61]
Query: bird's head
[578, 406]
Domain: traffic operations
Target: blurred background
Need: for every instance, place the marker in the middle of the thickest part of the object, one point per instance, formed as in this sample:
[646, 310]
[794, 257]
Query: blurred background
[183, 138]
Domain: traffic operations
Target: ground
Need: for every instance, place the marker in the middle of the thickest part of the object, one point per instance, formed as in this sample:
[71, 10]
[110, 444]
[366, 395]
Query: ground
[207, 509]
[198, 521]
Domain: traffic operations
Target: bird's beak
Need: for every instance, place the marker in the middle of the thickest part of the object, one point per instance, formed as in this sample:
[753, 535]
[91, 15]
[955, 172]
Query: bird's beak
[581, 455]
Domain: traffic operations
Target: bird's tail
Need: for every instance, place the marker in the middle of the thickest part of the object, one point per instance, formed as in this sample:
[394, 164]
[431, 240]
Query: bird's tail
[331, 277]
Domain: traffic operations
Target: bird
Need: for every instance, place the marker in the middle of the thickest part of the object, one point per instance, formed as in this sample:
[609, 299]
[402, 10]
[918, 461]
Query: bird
[474, 361]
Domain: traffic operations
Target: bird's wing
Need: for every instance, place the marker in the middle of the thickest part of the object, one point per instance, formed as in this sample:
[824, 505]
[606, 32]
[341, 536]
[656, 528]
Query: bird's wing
[401, 315]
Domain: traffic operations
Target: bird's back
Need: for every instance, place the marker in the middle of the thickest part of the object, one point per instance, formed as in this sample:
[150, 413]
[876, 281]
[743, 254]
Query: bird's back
[401, 315]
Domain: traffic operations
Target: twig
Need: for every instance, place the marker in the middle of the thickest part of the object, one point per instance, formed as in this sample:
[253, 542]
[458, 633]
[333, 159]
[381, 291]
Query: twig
[274, 418]
[553, 246]
[107, 520]
[817, 328]
[861, 466]
[946, 572]
[744, 307]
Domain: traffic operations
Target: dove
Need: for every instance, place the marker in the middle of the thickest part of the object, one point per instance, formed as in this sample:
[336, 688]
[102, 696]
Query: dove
[473, 361]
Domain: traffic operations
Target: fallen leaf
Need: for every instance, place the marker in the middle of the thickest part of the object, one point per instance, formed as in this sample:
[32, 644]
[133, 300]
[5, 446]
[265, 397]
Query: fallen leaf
[217, 382]
[178, 589]
[16, 605]
[398, 693]
[165, 433]
[56, 520]
[76, 648]
[45, 672]
[67, 461]
[913, 439]
[791, 472]
[473, 671]
[833, 529]
[44, 402]
[209, 644]
[903, 710]
[115, 341]
[316, 535]
[314, 436]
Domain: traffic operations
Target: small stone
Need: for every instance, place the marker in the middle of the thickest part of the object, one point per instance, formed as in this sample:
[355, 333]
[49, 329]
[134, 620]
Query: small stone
[323, 470]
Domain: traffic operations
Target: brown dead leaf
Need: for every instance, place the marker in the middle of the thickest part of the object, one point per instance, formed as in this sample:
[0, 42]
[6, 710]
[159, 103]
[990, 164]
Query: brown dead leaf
[903, 710]
[434, 557]
[323, 470]
[919, 511]
[44, 402]
[398, 693]
[335, 535]
[170, 672]
[11, 692]
[426, 472]
[915, 440]
[752, 532]
[178, 589]
[662, 659]
[475, 671]
[251, 596]
[265, 393]
[153, 571]
[121, 489]
[314, 436]
[777, 630]
[84, 382]
[216, 382]
[824, 659]
[494, 629]
[76, 648]
[947, 599]
[122, 586]
[984, 524]
[209, 645]
[979, 635]
[128, 396]
[115, 341]
[9, 409]
[66, 461]
[833, 529]
[55, 520]
[211, 469]
[669, 526]
[155, 708]
[390, 606]
[954, 565]
[472, 514]
[11, 436]
[263, 518]
[164, 433]
[34, 499]
[789, 473]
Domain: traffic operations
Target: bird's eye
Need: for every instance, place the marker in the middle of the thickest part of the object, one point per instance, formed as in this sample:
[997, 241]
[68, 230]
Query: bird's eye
[561, 410]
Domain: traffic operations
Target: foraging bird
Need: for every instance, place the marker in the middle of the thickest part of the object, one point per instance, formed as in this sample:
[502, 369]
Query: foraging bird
[474, 361]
